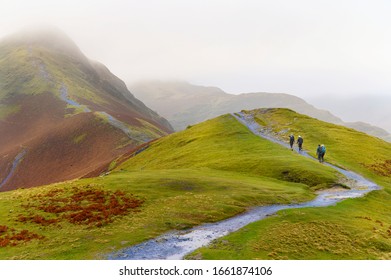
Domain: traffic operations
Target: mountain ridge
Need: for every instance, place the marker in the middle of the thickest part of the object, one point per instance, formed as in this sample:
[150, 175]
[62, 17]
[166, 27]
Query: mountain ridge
[186, 104]
[72, 111]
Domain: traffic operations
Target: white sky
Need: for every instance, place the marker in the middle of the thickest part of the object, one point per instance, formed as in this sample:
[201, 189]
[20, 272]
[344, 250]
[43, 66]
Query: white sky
[305, 47]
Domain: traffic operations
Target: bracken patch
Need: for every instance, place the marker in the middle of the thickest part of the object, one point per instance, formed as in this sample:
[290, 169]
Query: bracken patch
[38, 219]
[382, 168]
[10, 237]
[81, 205]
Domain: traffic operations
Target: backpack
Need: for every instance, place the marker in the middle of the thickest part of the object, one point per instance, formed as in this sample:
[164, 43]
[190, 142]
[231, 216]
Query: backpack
[322, 149]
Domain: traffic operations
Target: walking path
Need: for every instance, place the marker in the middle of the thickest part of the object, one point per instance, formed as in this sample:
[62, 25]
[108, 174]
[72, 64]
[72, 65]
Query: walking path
[177, 244]
[18, 159]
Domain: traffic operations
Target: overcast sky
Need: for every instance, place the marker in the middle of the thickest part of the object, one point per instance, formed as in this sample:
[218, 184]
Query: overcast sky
[308, 48]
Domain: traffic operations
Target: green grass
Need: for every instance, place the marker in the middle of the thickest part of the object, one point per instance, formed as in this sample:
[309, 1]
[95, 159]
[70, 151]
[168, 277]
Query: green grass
[19, 73]
[210, 172]
[174, 199]
[153, 130]
[345, 147]
[215, 170]
[224, 144]
[140, 134]
[354, 229]
[34, 70]
[69, 72]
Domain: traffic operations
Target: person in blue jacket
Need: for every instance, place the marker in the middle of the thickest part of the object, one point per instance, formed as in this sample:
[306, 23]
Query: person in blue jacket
[320, 151]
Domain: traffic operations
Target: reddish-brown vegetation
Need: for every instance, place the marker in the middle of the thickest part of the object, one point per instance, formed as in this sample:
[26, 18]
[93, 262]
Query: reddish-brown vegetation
[9, 236]
[37, 219]
[61, 142]
[82, 205]
[382, 168]
[52, 155]
[3, 229]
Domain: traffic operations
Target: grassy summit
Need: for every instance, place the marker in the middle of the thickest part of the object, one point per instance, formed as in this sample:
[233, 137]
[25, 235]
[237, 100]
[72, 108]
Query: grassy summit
[354, 229]
[346, 147]
[206, 173]
[225, 144]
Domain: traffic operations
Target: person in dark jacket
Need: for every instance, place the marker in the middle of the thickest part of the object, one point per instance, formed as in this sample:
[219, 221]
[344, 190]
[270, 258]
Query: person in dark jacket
[300, 142]
[291, 141]
[320, 151]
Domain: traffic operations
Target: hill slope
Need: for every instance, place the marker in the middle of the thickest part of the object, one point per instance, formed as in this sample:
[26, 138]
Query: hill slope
[206, 173]
[353, 229]
[62, 115]
[185, 104]
[346, 147]
[224, 144]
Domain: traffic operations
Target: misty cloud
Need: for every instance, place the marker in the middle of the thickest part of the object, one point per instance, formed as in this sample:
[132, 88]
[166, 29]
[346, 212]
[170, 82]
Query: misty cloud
[307, 48]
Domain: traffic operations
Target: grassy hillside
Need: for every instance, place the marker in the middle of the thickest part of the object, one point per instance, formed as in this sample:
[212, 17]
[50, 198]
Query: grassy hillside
[209, 172]
[354, 229]
[346, 147]
[51, 94]
[225, 144]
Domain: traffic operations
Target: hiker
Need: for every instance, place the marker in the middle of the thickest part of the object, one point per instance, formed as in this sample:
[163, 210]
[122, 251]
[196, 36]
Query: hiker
[300, 142]
[291, 141]
[320, 152]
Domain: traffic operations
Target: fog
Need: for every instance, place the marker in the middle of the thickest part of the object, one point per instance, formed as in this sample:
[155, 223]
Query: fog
[312, 49]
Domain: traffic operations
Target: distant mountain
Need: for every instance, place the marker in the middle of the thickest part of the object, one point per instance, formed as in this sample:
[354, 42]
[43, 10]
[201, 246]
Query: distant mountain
[369, 129]
[61, 114]
[185, 104]
[370, 108]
